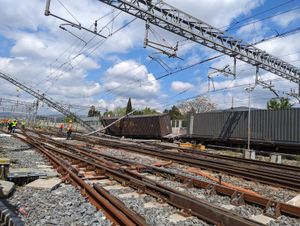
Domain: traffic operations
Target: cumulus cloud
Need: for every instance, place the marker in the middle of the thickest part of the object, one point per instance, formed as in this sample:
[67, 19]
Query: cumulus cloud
[215, 12]
[181, 86]
[45, 57]
[131, 79]
[251, 28]
[48, 59]
[284, 20]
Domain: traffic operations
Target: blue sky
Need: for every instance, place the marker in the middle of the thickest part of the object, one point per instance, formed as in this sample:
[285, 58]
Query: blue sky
[105, 73]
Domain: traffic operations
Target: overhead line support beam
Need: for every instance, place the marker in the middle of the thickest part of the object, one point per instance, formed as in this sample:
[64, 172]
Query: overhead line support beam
[163, 15]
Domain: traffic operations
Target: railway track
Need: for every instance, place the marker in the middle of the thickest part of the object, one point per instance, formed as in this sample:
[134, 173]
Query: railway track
[128, 174]
[137, 170]
[276, 166]
[264, 172]
[116, 212]
[268, 173]
[238, 197]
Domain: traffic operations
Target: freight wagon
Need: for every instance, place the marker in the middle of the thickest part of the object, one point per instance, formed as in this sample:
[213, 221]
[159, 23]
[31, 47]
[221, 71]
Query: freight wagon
[140, 126]
[279, 129]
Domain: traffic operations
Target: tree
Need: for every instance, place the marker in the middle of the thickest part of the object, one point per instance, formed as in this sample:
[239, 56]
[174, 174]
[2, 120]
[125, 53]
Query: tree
[93, 112]
[282, 103]
[109, 114]
[174, 113]
[68, 119]
[120, 111]
[146, 111]
[197, 105]
[129, 106]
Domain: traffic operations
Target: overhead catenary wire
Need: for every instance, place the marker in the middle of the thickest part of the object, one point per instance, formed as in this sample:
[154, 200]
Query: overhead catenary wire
[91, 49]
[224, 89]
[81, 51]
[68, 11]
[97, 45]
[265, 18]
[261, 41]
[233, 27]
[69, 49]
[68, 61]
[257, 14]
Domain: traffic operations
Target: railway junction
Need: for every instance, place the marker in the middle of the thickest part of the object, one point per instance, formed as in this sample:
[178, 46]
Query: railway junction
[198, 163]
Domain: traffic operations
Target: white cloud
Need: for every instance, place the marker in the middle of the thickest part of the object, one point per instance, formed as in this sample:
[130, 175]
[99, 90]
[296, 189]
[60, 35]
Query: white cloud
[251, 28]
[181, 86]
[131, 79]
[215, 12]
[284, 20]
[36, 42]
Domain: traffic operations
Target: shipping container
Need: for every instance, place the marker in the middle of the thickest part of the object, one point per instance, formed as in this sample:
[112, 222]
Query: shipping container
[140, 126]
[266, 127]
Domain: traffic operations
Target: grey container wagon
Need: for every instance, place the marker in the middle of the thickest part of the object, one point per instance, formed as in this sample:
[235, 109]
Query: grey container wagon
[273, 128]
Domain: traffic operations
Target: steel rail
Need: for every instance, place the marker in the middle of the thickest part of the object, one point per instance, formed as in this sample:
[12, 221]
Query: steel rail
[113, 212]
[275, 166]
[238, 197]
[262, 175]
[236, 159]
[194, 206]
[277, 178]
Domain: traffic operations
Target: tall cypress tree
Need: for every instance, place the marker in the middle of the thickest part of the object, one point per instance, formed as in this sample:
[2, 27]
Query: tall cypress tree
[129, 106]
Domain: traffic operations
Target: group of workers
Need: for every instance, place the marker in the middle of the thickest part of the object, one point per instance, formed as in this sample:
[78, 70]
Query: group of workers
[69, 129]
[11, 125]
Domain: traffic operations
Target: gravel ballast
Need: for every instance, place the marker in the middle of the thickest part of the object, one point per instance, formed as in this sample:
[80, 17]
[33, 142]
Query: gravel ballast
[41, 207]
[247, 211]
[63, 206]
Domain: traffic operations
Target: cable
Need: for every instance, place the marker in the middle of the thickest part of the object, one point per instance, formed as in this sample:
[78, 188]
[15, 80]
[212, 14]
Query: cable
[169, 73]
[265, 18]
[69, 61]
[238, 22]
[284, 34]
[68, 11]
[257, 14]
[188, 67]
[68, 58]
[93, 48]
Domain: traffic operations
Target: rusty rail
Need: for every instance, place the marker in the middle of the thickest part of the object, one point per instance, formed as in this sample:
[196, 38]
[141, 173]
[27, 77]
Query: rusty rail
[113, 212]
[237, 197]
[191, 205]
[264, 175]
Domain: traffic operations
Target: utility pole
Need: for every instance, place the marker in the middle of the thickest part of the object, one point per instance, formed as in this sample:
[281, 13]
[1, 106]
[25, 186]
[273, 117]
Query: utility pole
[36, 105]
[249, 90]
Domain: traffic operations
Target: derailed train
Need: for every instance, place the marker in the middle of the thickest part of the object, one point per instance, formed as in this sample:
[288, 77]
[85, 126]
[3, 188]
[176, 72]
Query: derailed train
[275, 129]
[140, 126]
